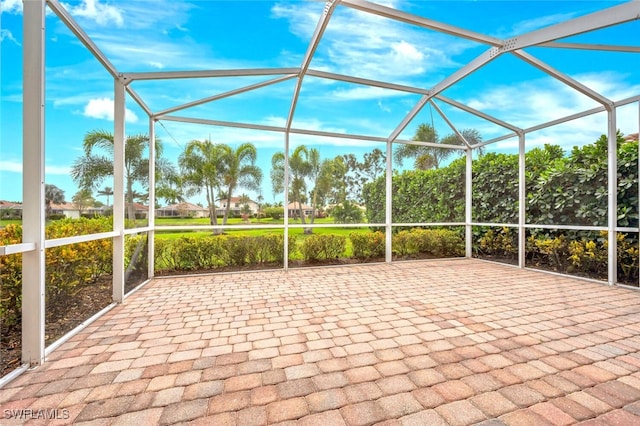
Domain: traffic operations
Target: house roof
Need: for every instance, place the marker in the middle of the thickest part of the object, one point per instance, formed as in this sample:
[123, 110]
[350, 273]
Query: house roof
[184, 206]
[631, 137]
[10, 205]
[298, 206]
[238, 200]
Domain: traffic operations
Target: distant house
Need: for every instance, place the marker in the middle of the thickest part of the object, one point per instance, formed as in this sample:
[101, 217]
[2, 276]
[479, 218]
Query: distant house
[141, 211]
[293, 210]
[182, 210]
[236, 206]
[69, 210]
[631, 137]
[10, 209]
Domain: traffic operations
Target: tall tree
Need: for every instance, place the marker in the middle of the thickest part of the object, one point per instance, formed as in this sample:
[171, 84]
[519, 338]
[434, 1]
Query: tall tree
[202, 165]
[299, 169]
[52, 195]
[239, 170]
[107, 191]
[83, 199]
[90, 170]
[428, 157]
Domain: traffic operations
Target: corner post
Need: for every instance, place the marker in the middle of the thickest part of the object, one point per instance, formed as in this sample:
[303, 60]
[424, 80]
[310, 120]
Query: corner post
[468, 209]
[118, 191]
[522, 201]
[612, 195]
[33, 183]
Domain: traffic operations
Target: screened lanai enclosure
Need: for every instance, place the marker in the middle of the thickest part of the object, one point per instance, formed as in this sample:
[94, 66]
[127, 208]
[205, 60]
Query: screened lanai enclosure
[539, 169]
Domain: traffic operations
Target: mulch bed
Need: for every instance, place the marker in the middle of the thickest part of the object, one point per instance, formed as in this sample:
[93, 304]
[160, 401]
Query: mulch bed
[61, 318]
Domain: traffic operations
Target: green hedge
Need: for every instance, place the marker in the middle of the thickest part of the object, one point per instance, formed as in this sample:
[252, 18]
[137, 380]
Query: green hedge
[68, 268]
[560, 189]
[437, 243]
[189, 253]
[318, 247]
[367, 245]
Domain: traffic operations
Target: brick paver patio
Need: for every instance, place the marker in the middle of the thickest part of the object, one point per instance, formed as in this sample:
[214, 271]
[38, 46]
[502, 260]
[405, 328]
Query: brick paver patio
[420, 343]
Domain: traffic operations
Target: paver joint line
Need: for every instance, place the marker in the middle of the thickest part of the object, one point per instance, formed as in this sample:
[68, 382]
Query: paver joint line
[458, 342]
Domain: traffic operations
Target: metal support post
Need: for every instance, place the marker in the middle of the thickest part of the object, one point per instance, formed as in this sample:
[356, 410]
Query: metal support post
[468, 192]
[522, 201]
[286, 201]
[152, 199]
[612, 175]
[388, 204]
[119, 205]
[33, 183]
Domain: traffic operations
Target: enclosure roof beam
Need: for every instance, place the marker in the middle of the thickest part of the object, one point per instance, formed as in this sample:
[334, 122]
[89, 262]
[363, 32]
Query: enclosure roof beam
[619, 14]
[574, 84]
[134, 95]
[583, 46]
[477, 113]
[75, 28]
[409, 89]
[168, 75]
[388, 12]
[224, 95]
[366, 82]
[329, 7]
[471, 67]
[222, 123]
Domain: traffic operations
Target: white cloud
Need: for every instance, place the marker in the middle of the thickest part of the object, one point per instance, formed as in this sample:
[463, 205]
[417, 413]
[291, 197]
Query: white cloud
[7, 35]
[369, 46]
[58, 170]
[537, 23]
[11, 6]
[383, 107]
[11, 166]
[102, 14]
[534, 102]
[103, 108]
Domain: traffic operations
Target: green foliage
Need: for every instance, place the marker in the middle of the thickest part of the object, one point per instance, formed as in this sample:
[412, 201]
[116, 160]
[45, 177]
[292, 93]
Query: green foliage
[560, 190]
[274, 212]
[502, 242]
[68, 268]
[429, 242]
[189, 253]
[367, 245]
[319, 247]
[347, 212]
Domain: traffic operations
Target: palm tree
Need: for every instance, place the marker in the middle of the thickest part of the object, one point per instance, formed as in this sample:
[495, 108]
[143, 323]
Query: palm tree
[52, 195]
[239, 171]
[91, 169]
[300, 168]
[202, 165]
[106, 191]
[427, 157]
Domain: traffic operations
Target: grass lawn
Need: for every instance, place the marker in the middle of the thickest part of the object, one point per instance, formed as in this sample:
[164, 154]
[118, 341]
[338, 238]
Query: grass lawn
[5, 222]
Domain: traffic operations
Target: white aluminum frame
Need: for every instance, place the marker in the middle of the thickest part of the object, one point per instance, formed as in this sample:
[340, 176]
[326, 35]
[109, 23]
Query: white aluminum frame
[34, 242]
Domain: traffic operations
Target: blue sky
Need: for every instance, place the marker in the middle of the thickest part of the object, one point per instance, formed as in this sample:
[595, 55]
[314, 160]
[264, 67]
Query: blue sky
[163, 35]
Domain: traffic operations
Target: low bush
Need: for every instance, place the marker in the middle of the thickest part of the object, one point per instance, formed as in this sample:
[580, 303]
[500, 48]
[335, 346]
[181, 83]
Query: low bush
[367, 245]
[189, 253]
[318, 247]
[430, 242]
[67, 267]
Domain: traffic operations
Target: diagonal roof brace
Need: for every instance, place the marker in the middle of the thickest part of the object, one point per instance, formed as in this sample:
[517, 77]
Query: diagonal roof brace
[562, 77]
[625, 12]
[584, 46]
[388, 12]
[329, 7]
[455, 130]
[224, 95]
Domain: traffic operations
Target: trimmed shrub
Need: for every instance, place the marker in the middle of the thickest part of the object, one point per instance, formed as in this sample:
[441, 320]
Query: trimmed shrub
[319, 247]
[431, 242]
[367, 245]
